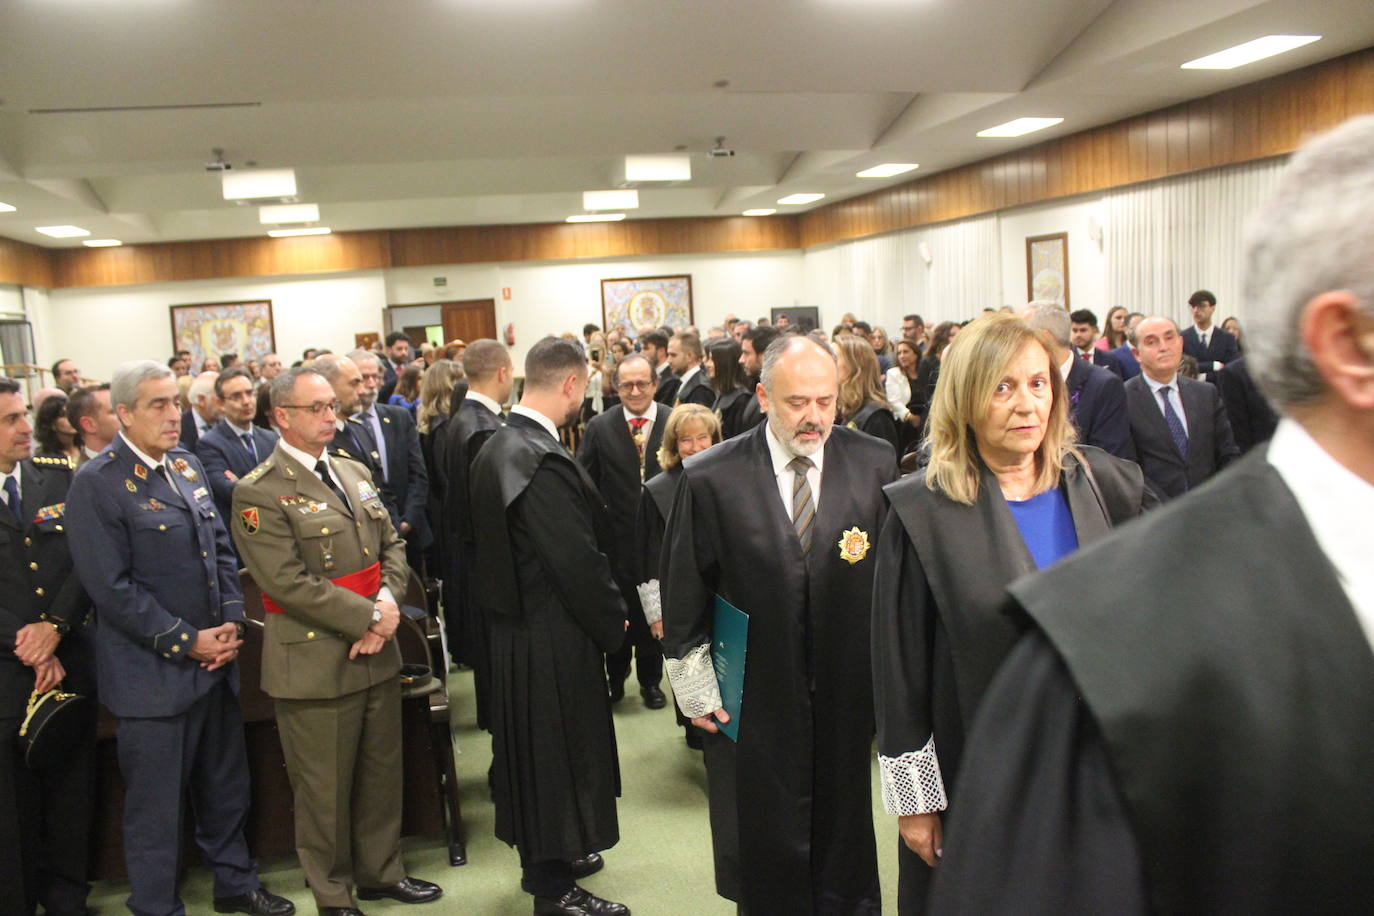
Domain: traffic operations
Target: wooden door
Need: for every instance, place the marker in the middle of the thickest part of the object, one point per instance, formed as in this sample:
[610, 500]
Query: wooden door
[469, 320]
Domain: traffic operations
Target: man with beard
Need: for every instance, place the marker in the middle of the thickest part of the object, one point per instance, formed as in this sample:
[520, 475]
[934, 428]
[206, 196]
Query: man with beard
[542, 544]
[352, 438]
[752, 347]
[790, 802]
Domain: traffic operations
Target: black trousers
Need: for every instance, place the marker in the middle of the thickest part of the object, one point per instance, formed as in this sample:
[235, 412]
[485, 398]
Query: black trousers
[45, 827]
[639, 642]
[549, 878]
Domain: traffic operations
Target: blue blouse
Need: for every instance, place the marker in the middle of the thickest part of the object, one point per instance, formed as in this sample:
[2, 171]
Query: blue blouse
[1046, 526]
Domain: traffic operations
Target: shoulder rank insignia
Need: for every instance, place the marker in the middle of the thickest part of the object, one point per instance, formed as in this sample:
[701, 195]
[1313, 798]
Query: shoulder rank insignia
[257, 471]
[48, 461]
[853, 545]
[141, 471]
[48, 513]
[249, 518]
[386, 419]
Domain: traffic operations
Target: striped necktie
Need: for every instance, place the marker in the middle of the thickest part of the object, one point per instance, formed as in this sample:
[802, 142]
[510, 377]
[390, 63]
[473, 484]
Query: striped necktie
[803, 506]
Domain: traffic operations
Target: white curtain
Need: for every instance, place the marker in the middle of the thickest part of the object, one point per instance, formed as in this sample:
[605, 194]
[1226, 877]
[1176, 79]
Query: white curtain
[886, 277]
[1168, 238]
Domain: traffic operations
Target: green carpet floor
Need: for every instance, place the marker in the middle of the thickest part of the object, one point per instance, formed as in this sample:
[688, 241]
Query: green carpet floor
[661, 867]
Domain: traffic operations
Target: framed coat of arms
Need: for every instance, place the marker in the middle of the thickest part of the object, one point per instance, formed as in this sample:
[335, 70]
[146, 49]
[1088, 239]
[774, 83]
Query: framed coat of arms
[630, 303]
[216, 328]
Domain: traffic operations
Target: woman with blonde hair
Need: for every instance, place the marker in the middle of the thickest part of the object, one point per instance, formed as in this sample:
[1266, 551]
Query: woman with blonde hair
[436, 404]
[862, 403]
[1007, 491]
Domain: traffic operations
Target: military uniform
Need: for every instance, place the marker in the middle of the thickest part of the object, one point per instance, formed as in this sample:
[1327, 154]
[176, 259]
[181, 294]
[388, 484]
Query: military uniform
[153, 553]
[44, 816]
[320, 562]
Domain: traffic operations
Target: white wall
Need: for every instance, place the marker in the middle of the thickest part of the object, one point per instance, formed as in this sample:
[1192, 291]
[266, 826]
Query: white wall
[1087, 264]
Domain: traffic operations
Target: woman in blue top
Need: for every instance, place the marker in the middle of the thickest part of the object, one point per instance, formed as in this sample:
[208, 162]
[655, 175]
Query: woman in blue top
[407, 393]
[1006, 492]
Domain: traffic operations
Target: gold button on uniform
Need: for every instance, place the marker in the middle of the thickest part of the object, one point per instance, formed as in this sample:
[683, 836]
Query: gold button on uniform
[161, 527]
[324, 531]
[38, 592]
[185, 638]
[58, 527]
[366, 552]
[204, 553]
[28, 542]
[310, 635]
[33, 566]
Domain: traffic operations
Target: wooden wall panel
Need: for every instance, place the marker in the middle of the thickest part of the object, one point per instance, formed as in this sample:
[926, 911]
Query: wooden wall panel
[25, 265]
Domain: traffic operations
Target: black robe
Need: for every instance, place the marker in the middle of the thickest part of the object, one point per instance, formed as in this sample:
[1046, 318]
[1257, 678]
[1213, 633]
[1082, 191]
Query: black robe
[730, 407]
[876, 419]
[938, 631]
[1187, 741]
[543, 571]
[464, 619]
[790, 802]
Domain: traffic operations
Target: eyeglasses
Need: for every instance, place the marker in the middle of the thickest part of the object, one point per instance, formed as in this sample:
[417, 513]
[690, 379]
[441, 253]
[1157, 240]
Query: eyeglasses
[317, 410]
[635, 386]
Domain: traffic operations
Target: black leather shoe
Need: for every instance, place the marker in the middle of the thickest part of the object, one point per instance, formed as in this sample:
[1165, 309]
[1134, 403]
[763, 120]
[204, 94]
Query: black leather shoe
[340, 911]
[258, 903]
[577, 902]
[589, 864]
[407, 890]
[653, 697]
[616, 689]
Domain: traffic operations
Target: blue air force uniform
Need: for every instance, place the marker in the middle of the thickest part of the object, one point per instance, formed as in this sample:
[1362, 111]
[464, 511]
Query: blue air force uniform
[152, 551]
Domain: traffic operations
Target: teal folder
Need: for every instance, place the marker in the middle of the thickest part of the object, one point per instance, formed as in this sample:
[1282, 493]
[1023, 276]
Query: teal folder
[730, 642]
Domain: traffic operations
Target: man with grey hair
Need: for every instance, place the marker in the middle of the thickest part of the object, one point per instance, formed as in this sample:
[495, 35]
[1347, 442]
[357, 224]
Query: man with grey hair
[1097, 398]
[152, 552]
[352, 438]
[203, 413]
[778, 522]
[1194, 739]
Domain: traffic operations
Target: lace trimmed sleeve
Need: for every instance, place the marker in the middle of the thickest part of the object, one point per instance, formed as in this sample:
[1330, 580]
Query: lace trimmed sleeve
[912, 783]
[694, 682]
[651, 600]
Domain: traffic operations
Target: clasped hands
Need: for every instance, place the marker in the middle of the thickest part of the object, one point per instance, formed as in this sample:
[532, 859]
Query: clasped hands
[217, 646]
[378, 633]
[34, 645]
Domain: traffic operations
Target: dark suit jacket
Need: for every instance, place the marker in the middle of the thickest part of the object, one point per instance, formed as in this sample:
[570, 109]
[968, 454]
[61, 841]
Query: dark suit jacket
[1210, 444]
[697, 390]
[355, 441]
[405, 470]
[190, 435]
[751, 414]
[1221, 348]
[48, 589]
[222, 450]
[1253, 421]
[667, 390]
[1097, 400]
[155, 558]
[1108, 360]
[1130, 366]
[608, 453]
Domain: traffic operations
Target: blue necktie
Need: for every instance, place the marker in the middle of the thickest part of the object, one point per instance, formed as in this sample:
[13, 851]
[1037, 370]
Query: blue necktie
[1176, 430]
[12, 494]
[248, 444]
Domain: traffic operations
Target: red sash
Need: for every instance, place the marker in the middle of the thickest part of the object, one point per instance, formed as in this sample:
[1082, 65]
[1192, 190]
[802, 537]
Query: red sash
[366, 582]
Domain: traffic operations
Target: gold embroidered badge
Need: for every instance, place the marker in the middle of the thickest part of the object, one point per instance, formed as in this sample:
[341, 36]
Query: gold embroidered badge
[853, 545]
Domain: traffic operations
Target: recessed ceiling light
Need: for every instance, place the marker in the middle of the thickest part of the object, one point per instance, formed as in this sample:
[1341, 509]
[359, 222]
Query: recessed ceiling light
[610, 200]
[6, 208]
[887, 170]
[596, 217]
[799, 198]
[1020, 127]
[289, 233]
[1250, 52]
[101, 243]
[63, 232]
[254, 184]
[289, 213]
[658, 168]
[760, 211]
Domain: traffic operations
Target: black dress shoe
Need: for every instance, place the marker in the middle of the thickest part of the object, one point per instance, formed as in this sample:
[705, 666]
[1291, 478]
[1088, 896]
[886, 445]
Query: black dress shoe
[257, 902]
[653, 697]
[589, 864]
[407, 890]
[340, 911]
[616, 689]
[577, 902]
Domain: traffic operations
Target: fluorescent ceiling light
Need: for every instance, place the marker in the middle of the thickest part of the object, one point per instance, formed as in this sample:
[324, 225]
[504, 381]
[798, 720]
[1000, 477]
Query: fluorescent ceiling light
[1250, 52]
[760, 211]
[610, 200]
[289, 213]
[596, 217]
[63, 232]
[252, 184]
[799, 198]
[6, 208]
[658, 168]
[101, 243]
[1020, 127]
[887, 170]
[289, 233]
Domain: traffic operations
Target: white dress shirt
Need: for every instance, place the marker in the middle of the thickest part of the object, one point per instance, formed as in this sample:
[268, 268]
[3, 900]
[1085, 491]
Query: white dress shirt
[536, 416]
[897, 387]
[650, 414]
[1338, 505]
[786, 477]
[203, 425]
[1174, 400]
[688, 376]
[485, 401]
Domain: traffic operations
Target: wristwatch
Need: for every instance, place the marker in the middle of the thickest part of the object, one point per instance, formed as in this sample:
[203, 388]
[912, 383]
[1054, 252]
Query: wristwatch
[241, 628]
[61, 626]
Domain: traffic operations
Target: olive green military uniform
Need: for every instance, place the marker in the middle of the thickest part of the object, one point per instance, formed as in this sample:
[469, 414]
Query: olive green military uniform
[339, 720]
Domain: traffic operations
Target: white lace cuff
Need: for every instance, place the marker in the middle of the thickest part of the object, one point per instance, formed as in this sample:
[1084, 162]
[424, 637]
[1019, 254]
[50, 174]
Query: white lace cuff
[694, 682]
[650, 600]
[912, 782]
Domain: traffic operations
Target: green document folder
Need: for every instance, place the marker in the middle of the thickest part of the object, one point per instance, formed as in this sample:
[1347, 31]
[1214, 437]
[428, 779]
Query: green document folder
[730, 642]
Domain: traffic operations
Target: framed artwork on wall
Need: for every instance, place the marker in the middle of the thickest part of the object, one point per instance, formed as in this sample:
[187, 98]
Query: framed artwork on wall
[215, 328]
[631, 302]
[1047, 267]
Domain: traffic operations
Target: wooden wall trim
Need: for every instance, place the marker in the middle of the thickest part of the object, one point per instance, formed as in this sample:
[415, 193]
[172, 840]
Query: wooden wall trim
[1250, 122]
[1256, 121]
